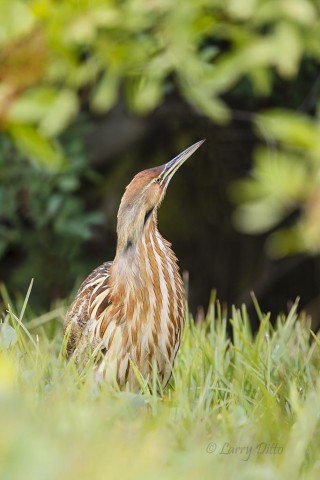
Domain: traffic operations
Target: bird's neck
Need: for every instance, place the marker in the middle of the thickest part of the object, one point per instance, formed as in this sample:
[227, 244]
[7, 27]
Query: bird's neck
[132, 244]
[140, 258]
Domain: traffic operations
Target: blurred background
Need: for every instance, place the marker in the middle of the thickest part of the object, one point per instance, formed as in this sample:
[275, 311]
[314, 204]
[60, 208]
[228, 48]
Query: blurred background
[91, 92]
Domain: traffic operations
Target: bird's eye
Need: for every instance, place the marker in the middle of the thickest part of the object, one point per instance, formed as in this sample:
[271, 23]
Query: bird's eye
[158, 180]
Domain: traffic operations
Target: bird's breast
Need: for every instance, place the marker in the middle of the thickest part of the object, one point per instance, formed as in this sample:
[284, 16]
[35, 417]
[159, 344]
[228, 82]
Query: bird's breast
[145, 313]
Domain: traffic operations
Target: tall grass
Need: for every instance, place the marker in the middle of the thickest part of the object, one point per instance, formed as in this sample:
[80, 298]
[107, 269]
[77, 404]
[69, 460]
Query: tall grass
[240, 405]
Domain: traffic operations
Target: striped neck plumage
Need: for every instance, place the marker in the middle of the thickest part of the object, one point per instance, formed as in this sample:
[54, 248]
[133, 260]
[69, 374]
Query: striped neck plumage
[134, 240]
[131, 234]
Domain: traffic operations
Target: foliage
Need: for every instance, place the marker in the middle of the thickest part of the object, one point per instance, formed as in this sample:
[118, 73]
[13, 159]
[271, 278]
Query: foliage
[259, 391]
[285, 179]
[61, 59]
[57, 57]
[43, 217]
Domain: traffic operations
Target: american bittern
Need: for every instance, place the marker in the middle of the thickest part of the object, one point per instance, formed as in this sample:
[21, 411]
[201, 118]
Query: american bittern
[132, 310]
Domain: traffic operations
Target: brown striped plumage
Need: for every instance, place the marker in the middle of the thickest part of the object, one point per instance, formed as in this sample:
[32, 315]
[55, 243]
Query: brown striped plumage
[132, 311]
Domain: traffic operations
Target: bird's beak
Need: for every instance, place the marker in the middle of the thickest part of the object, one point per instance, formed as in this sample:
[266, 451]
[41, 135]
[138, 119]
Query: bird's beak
[171, 167]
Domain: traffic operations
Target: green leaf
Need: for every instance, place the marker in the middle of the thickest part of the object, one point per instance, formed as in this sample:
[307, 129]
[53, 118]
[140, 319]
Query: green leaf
[207, 103]
[33, 105]
[258, 217]
[16, 19]
[285, 242]
[290, 127]
[289, 48]
[36, 147]
[51, 108]
[105, 94]
[281, 176]
[301, 11]
[63, 109]
[144, 94]
[242, 9]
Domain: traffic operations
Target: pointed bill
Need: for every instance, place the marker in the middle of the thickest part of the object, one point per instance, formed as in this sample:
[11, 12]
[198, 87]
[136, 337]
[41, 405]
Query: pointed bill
[172, 166]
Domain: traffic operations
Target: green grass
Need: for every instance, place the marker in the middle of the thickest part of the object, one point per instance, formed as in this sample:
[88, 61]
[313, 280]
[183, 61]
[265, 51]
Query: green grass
[240, 405]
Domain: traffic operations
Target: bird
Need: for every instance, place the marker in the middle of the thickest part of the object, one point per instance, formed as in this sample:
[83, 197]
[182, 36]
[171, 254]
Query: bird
[129, 314]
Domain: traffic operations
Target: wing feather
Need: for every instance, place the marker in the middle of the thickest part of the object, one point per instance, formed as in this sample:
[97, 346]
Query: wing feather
[80, 311]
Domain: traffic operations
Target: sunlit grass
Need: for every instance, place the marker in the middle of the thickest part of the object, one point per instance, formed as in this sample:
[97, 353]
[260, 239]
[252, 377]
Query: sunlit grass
[240, 405]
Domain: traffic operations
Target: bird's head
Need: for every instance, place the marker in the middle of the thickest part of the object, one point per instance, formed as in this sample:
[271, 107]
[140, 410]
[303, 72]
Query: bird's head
[143, 196]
